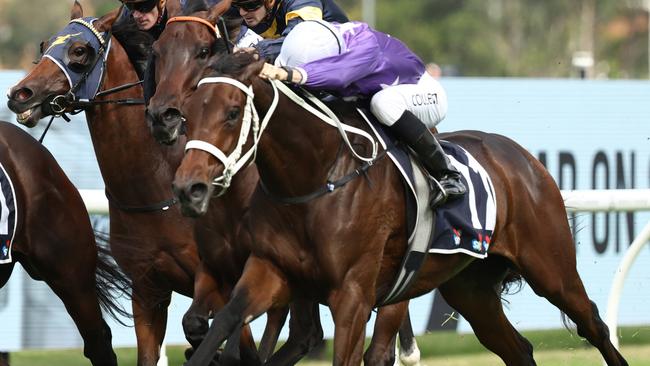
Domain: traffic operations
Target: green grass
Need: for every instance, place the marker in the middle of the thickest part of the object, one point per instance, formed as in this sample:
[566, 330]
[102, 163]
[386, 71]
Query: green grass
[554, 347]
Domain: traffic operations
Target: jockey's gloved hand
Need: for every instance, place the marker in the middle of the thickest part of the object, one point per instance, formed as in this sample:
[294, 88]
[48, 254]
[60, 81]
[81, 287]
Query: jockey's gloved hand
[283, 73]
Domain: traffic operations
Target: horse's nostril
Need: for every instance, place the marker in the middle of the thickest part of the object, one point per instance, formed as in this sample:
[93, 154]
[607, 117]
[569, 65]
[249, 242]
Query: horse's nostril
[171, 114]
[197, 191]
[23, 94]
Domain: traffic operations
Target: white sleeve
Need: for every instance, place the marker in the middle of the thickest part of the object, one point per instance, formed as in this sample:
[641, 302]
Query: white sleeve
[249, 39]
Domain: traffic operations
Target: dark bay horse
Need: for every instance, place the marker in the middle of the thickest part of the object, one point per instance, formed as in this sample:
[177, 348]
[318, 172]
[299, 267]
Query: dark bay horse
[191, 35]
[54, 241]
[344, 248]
[150, 239]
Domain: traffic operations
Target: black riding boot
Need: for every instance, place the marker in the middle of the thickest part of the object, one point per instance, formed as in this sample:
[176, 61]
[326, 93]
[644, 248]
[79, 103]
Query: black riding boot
[417, 136]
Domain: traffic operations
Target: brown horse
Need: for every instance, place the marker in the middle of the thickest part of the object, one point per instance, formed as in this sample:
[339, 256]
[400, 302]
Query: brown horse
[150, 239]
[344, 248]
[51, 223]
[190, 35]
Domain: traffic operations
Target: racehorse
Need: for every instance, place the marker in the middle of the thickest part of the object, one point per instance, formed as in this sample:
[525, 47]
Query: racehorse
[191, 35]
[344, 248]
[54, 241]
[150, 239]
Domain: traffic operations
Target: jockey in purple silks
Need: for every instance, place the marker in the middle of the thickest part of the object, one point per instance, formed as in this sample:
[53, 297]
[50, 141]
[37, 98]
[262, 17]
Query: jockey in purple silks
[352, 59]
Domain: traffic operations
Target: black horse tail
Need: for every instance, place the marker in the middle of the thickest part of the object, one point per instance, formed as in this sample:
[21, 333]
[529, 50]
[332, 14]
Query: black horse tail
[110, 282]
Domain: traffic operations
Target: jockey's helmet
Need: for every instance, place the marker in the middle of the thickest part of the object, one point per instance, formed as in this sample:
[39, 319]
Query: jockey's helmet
[144, 6]
[252, 5]
[309, 41]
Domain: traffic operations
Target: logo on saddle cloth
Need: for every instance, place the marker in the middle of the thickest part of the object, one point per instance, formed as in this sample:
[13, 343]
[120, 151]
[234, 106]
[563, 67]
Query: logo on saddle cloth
[7, 216]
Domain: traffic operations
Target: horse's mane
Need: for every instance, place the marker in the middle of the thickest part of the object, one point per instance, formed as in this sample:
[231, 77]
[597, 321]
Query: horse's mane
[233, 64]
[135, 42]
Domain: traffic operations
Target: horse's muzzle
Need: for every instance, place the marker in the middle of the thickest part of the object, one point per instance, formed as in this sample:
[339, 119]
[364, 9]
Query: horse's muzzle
[194, 197]
[27, 108]
[166, 126]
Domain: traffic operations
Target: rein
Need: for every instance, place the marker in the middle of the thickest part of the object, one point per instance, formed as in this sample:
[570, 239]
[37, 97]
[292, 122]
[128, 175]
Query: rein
[235, 161]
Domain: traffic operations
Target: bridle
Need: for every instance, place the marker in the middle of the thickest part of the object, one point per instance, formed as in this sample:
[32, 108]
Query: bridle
[236, 160]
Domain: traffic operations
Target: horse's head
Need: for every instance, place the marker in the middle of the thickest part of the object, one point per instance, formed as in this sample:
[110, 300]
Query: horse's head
[219, 118]
[182, 53]
[70, 67]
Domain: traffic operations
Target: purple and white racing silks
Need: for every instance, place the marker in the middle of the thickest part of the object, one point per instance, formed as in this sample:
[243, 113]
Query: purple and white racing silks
[369, 60]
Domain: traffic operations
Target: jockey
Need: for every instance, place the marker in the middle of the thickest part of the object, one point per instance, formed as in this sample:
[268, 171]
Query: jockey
[274, 19]
[149, 15]
[351, 60]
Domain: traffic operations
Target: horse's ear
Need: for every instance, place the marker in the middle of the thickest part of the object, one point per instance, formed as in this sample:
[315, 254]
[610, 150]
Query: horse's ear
[252, 69]
[173, 8]
[218, 10]
[77, 11]
[105, 23]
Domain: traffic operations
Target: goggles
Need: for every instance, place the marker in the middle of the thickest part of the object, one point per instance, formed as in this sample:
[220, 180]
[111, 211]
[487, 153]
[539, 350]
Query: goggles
[249, 6]
[141, 6]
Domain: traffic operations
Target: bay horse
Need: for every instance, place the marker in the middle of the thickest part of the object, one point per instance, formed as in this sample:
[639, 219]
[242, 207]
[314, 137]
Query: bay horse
[150, 239]
[191, 35]
[344, 248]
[54, 241]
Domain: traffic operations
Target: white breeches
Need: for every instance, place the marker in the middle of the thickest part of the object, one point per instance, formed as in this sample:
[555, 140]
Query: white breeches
[427, 100]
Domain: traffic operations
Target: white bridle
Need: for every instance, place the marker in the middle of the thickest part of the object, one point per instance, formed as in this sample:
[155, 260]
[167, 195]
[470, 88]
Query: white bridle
[251, 121]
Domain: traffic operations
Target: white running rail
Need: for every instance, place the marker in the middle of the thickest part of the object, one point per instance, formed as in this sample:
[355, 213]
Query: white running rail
[575, 201]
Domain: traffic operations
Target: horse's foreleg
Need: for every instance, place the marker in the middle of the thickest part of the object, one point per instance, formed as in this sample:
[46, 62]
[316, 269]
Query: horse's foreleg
[206, 298]
[305, 332]
[275, 320]
[150, 318]
[381, 351]
[409, 353]
[261, 287]
[350, 305]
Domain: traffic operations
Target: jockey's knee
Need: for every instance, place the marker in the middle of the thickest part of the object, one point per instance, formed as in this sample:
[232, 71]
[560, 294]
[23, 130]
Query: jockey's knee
[388, 106]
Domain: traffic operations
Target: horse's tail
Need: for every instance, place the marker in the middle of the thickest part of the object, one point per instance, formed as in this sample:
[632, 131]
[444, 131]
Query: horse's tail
[110, 282]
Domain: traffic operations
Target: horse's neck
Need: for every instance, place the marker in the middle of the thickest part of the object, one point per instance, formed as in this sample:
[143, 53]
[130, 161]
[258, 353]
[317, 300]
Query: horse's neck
[125, 150]
[293, 138]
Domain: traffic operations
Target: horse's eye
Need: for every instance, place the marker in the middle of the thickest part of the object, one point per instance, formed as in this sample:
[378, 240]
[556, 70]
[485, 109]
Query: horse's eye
[79, 51]
[204, 53]
[233, 115]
